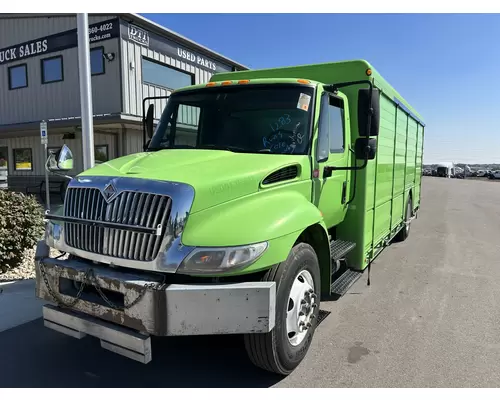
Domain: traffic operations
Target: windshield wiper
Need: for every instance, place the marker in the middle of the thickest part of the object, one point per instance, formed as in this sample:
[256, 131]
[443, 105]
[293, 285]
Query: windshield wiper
[180, 146]
[156, 148]
[235, 149]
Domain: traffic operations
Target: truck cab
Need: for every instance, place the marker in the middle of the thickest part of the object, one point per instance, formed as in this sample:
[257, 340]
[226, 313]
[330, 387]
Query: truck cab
[245, 209]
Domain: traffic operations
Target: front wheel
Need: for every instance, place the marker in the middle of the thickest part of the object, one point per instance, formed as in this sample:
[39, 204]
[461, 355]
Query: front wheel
[297, 309]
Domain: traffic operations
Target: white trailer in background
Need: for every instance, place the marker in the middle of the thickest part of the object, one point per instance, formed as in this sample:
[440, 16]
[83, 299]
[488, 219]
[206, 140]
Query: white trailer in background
[445, 170]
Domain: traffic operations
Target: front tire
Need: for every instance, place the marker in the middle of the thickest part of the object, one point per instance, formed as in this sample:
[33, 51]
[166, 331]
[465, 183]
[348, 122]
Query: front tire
[297, 308]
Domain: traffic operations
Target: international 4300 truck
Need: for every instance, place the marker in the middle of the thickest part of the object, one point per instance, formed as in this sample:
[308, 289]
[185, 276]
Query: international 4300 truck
[257, 196]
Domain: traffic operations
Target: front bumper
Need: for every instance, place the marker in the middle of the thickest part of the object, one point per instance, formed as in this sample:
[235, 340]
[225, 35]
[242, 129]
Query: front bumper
[173, 310]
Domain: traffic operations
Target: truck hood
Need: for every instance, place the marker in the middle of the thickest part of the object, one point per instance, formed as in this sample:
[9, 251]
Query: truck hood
[216, 176]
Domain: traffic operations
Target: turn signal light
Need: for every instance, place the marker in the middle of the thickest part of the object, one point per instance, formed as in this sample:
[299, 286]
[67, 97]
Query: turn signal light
[368, 72]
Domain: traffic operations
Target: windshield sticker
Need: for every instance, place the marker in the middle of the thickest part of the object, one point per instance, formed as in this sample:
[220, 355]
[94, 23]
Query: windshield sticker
[303, 103]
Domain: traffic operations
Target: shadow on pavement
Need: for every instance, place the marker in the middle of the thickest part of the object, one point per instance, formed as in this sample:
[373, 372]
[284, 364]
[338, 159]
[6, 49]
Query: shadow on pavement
[34, 356]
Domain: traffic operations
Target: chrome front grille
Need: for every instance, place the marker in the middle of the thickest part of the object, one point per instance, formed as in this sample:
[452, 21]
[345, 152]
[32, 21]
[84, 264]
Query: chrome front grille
[147, 210]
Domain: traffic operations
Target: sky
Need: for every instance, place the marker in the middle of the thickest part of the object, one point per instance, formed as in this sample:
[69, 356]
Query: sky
[444, 65]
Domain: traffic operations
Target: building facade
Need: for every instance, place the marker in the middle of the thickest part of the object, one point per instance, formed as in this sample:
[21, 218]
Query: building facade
[131, 59]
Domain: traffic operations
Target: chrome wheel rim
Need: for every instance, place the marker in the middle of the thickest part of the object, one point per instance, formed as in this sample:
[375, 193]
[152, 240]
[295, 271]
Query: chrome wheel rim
[302, 302]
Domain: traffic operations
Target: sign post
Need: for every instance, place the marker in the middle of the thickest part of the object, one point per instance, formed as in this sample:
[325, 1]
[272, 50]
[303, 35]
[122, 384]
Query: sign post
[45, 141]
[85, 90]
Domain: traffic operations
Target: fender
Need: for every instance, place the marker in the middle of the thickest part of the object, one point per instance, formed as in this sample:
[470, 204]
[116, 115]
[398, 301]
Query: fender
[277, 216]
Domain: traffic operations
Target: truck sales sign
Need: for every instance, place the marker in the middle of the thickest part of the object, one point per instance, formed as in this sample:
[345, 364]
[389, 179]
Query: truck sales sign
[60, 41]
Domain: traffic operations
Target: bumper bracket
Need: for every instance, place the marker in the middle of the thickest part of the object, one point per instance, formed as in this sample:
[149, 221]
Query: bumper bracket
[116, 338]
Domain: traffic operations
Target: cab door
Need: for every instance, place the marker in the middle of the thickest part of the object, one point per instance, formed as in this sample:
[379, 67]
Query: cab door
[332, 187]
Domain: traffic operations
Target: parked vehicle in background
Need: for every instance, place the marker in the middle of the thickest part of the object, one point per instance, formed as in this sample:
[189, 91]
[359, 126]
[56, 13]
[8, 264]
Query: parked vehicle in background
[494, 175]
[481, 173]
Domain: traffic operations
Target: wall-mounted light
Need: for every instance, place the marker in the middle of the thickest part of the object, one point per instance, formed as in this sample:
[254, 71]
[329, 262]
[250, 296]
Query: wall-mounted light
[69, 135]
[109, 56]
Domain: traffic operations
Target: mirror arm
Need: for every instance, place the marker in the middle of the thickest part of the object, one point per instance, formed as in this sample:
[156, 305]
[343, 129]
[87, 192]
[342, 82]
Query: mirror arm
[329, 170]
[354, 184]
[63, 176]
[56, 173]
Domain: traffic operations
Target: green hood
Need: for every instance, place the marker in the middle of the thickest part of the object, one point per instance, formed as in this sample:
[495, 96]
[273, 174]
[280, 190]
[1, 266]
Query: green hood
[217, 176]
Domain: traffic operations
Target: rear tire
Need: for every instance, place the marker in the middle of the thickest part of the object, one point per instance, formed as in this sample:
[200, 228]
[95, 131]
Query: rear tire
[403, 234]
[283, 349]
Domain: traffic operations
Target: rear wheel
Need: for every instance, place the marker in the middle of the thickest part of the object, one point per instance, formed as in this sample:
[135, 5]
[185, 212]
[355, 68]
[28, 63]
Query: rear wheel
[403, 234]
[297, 308]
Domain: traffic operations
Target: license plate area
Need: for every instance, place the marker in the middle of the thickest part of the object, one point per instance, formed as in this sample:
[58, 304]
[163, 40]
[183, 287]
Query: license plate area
[70, 287]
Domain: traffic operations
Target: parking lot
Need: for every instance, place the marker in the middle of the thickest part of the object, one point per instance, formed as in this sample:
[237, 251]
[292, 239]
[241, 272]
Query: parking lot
[429, 319]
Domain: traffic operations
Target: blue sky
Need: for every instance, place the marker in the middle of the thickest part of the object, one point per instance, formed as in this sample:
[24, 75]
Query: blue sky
[446, 66]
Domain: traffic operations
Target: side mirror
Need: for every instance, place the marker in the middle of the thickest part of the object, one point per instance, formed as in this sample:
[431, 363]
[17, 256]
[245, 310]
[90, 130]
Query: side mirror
[364, 112]
[62, 160]
[365, 148]
[149, 120]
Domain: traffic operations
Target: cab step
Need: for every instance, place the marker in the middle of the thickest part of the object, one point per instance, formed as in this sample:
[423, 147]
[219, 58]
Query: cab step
[342, 284]
[340, 248]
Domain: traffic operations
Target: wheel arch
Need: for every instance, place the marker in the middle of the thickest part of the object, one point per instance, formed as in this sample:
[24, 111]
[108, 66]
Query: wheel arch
[317, 237]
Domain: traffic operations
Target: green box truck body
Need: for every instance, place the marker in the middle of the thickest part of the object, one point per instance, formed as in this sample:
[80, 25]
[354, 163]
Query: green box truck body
[259, 194]
[383, 187]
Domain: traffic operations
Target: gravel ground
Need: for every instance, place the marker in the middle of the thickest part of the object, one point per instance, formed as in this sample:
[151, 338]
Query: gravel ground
[27, 268]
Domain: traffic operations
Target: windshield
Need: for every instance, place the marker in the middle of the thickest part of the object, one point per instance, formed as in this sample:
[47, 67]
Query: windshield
[272, 119]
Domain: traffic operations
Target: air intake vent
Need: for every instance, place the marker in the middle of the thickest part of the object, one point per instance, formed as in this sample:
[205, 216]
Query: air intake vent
[283, 174]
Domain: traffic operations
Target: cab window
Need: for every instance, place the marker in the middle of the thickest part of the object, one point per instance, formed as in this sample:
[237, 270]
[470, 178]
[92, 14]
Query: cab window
[336, 124]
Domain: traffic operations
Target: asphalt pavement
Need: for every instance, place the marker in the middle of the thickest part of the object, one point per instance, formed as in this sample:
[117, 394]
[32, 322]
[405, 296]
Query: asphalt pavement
[430, 318]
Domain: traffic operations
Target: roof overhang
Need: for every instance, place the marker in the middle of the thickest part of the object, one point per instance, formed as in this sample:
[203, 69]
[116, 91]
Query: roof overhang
[147, 24]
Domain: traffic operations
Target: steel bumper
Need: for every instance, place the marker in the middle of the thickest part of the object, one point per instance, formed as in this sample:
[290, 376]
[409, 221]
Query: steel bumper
[172, 310]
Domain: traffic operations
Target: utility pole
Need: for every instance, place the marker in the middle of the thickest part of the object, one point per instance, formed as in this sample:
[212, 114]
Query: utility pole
[85, 90]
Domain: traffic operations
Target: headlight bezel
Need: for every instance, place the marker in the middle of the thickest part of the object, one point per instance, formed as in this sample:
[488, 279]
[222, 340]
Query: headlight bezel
[227, 263]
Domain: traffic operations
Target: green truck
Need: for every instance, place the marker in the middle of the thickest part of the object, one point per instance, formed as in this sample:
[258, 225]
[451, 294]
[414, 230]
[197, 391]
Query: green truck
[258, 195]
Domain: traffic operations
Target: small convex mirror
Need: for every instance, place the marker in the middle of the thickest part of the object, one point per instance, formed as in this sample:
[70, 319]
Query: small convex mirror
[61, 160]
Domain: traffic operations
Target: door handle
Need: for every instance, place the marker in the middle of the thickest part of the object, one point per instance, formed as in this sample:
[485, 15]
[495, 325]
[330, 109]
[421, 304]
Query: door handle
[344, 191]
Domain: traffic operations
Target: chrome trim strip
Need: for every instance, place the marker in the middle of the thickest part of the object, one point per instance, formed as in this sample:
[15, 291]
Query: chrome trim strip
[171, 251]
[104, 224]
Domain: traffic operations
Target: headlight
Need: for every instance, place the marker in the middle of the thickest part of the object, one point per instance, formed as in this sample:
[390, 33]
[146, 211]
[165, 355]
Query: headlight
[209, 260]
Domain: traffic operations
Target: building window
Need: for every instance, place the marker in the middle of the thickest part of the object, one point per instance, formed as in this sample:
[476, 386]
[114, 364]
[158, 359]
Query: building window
[4, 158]
[52, 69]
[165, 75]
[101, 153]
[97, 61]
[18, 76]
[23, 160]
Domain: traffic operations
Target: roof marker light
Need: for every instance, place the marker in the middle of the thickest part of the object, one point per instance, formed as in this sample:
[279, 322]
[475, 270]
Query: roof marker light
[303, 81]
[211, 83]
[226, 83]
[242, 82]
[368, 72]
